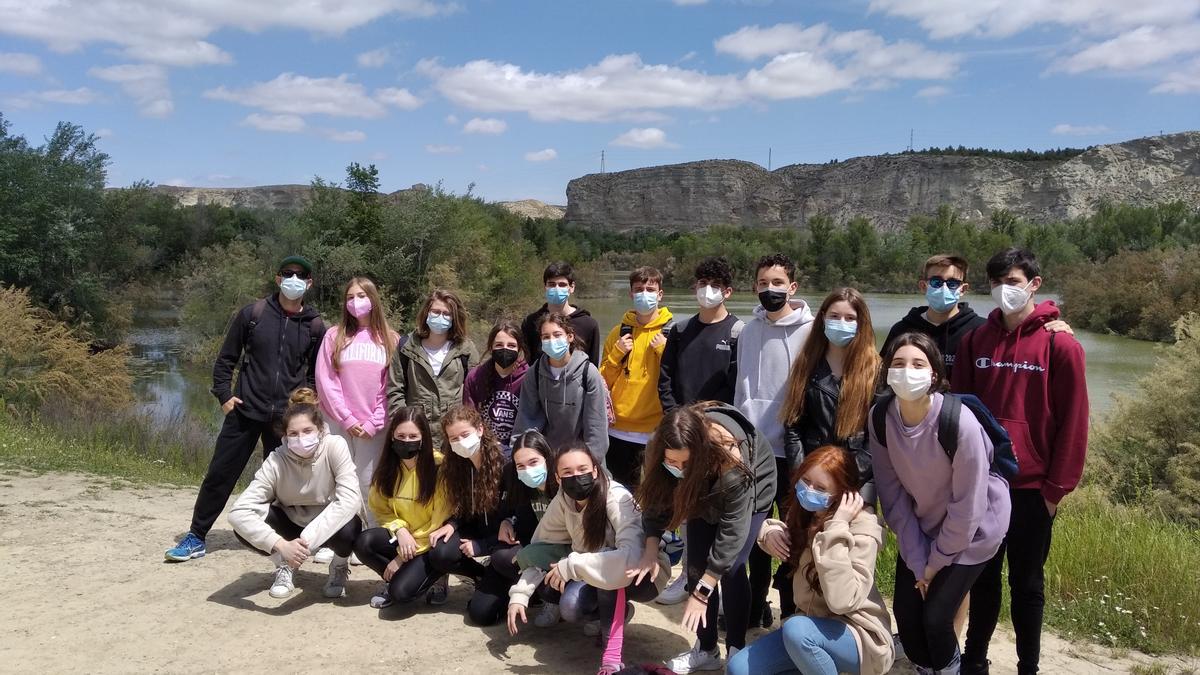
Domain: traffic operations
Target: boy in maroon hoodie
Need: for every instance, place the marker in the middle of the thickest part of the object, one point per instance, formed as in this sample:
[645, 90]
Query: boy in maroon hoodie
[1033, 382]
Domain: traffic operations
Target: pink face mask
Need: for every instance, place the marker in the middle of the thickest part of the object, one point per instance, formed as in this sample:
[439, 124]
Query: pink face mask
[358, 307]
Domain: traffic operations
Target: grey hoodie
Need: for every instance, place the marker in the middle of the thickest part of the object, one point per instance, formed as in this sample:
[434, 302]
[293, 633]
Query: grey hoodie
[567, 410]
[766, 351]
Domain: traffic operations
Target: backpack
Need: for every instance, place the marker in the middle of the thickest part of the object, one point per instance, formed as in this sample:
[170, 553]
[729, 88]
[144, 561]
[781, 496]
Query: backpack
[665, 330]
[316, 330]
[1004, 462]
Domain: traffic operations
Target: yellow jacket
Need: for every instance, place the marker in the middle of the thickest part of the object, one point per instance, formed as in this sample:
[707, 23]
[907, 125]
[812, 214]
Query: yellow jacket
[403, 510]
[634, 381]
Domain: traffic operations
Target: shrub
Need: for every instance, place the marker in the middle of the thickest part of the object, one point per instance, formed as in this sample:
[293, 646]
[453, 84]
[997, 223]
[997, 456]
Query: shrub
[1137, 294]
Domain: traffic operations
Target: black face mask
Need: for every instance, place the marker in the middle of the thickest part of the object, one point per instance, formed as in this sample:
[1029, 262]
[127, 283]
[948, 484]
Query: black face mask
[578, 487]
[773, 300]
[504, 357]
[406, 449]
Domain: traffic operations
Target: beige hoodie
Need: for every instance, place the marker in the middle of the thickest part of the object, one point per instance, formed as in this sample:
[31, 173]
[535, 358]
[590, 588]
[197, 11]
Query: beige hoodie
[320, 493]
[604, 569]
[844, 557]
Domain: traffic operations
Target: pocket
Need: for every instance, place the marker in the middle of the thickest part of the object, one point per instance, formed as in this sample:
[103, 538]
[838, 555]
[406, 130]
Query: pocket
[1029, 461]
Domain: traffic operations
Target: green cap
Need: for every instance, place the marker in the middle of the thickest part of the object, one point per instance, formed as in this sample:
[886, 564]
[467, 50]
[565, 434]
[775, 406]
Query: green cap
[297, 260]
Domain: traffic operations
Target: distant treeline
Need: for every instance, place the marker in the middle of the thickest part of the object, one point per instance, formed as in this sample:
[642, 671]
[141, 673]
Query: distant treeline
[1027, 155]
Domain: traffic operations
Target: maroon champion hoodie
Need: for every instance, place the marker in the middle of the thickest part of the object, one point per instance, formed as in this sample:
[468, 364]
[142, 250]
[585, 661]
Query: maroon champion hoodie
[1037, 392]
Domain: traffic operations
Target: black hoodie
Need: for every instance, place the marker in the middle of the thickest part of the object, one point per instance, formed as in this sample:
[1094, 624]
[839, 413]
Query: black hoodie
[946, 335]
[585, 327]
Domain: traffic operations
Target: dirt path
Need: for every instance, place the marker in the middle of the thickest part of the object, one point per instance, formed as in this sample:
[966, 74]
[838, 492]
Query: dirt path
[86, 591]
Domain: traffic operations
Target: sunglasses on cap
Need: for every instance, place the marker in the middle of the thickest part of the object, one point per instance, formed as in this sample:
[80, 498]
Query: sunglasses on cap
[938, 282]
[289, 273]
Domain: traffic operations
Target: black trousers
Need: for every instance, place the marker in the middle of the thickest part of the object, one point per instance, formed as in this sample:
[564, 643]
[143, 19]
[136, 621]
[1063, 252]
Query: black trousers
[760, 560]
[581, 601]
[735, 586]
[239, 434]
[411, 580]
[1027, 546]
[926, 624]
[624, 462]
[489, 602]
[342, 541]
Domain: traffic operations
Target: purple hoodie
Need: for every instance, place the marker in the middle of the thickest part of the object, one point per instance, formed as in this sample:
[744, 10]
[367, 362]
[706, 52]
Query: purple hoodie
[942, 514]
[495, 397]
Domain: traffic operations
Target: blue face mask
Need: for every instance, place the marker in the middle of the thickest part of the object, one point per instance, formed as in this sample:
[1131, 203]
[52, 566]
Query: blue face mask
[840, 332]
[556, 348]
[645, 302]
[534, 476]
[438, 323]
[673, 470]
[941, 299]
[557, 296]
[810, 499]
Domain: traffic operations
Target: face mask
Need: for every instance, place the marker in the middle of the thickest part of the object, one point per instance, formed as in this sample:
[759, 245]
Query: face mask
[556, 348]
[810, 499]
[709, 297]
[910, 384]
[578, 487]
[304, 446]
[1011, 299]
[840, 332]
[941, 299]
[466, 447]
[557, 296]
[673, 470]
[406, 449]
[645, 302]
[773, 299]
[439, 324]
[504, 357]
[358, 307]
[533, 477]
[293, 288]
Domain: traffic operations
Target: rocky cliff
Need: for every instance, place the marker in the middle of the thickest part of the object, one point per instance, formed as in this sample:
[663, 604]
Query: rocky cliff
[888, 189]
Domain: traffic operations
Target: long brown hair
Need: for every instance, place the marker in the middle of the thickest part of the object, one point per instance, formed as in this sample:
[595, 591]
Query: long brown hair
[803, 524]
[686, 427]
[595, 512]
[387, 471]
[859, 371]
[458, 316]
[471, 492]
[381, 333]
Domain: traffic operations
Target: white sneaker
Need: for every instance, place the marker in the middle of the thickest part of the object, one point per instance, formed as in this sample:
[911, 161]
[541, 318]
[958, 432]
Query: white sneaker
[354, 559]
[675, 592]
[549, 615]
[696, 659]
[382, 598]
[323, 555]
[282, 586]
[731, 652]
[339, 572]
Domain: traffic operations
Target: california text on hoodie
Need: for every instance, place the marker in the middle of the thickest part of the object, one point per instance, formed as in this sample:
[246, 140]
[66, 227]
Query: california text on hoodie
[946, 335]
[402, 510]
[766, 350]
[585, 327]
[633, 377]
[355, 393]
[495, 397]
[567, 408]
[411, 380]
[1034, 383]
[280, 358]
[319, 493]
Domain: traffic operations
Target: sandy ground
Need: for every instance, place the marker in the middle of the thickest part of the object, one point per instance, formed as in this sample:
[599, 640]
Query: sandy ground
[86, 590]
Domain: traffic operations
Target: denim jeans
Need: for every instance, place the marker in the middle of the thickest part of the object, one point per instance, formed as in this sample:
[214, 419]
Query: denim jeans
[804, 644]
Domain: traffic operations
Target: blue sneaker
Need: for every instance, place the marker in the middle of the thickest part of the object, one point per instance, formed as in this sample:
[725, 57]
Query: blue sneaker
[189, 547]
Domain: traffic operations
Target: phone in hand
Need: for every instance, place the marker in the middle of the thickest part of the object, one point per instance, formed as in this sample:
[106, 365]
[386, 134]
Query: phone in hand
[626, 329]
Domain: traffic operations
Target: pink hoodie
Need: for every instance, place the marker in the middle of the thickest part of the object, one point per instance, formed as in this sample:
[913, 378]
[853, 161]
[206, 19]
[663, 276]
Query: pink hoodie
[357, 392]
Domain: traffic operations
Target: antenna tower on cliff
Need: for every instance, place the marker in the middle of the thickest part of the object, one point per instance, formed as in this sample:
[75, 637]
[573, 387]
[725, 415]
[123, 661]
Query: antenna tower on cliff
[769, 158]
[910, 139]
[602, 162]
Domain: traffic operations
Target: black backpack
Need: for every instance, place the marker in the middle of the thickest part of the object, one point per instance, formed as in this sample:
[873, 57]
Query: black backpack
[1004, 462]
[316, 331]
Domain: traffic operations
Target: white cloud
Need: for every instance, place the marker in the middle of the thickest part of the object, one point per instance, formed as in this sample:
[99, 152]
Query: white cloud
[398, 98]
[541, 155]
[294, 94]
[105, 133]
[643, 138]
[288, 124]
[1001, 18]
[145, 83]
[479, 125]
[33, 99]
[452, 120]
[376, 58]
[935, 91]
[754, 42]
[797, 75]
[435, 149]
[353, 136]
[1137, 48]
[689, 3]
[1185, 80]
[1079, 129]
[15, 63]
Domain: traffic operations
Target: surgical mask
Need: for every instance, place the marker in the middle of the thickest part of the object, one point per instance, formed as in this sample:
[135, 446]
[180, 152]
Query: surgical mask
[406, 449]
[578, 487]
[504, 357]
[673, 470]
[438, 323]
[358, 307]
[557, 296]
[556, 348]
[810, 499]
[840, 332]
[293, 288]
[304, 446]
[910, 384]
[709, 297]
[1011, 299]
[533, 477]
[645, 302]
[941, 299]
[773, 299]
[467, 446]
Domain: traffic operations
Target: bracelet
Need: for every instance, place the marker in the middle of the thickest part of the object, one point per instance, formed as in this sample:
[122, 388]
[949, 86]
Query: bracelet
[703, 600]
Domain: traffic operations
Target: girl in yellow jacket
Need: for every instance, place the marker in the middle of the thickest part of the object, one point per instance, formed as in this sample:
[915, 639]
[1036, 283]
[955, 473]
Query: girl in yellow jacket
[408, 502]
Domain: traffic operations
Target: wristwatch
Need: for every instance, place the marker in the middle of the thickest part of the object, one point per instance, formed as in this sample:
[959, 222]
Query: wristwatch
[703, 590]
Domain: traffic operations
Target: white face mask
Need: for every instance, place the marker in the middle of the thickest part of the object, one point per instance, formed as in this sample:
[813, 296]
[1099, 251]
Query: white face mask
[910, 384]
[709, 297]
[304, 446]
[1011, 299]
[293, 288]
[467, 446]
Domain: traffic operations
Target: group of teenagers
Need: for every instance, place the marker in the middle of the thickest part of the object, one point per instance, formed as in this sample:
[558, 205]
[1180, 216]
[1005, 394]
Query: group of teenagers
[554, 473]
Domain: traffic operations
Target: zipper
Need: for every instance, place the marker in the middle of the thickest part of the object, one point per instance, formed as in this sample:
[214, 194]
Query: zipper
[278, 360]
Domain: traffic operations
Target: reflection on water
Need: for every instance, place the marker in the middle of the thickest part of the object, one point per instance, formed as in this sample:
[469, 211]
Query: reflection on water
[165, 385]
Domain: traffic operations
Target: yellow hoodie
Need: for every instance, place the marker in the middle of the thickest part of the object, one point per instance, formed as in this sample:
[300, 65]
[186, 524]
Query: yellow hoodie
[404, 511]
[634, 382]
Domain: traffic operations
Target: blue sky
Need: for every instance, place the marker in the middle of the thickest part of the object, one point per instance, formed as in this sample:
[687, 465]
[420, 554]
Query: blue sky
[520, 97]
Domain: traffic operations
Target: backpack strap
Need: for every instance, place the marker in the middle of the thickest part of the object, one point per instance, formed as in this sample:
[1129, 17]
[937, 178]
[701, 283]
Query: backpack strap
[879, 419]
[466, 360]
[256, 312]
[948, 424]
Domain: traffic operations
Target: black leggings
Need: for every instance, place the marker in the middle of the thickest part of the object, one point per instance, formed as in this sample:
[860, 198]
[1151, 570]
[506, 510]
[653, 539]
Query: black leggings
[342, 541]
[624, 461]
[760, 560]
[410, 581]
[734, 585]
[580, 601]
[926, 624]
[490, 600]
[447, 558]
